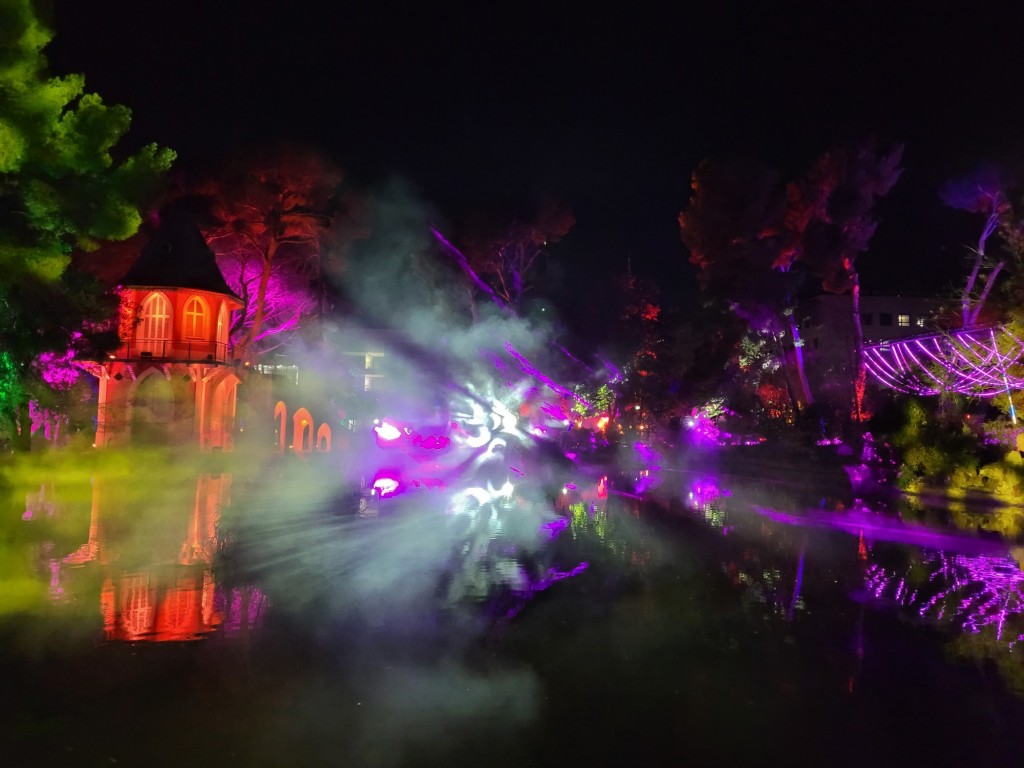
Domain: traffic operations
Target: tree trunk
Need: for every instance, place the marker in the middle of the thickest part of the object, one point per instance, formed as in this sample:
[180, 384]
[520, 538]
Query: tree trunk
[989, 282]
[969, 314]
[21, 428]
[793, 399]
[261, 302]
[798, 355]
[859, 369]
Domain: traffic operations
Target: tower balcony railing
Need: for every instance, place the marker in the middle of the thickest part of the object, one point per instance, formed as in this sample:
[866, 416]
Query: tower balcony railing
[173, 350]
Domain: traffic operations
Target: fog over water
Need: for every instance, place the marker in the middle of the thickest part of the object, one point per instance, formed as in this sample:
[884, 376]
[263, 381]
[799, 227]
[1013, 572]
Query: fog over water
[494, 602]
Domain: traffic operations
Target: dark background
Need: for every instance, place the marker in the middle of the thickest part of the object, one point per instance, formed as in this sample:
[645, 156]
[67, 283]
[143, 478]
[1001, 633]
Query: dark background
[611, 108]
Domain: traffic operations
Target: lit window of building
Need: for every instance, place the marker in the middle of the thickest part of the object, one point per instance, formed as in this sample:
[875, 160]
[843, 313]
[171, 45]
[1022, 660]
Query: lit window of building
[372, 373]
[919, 322]
[195, 318]
[903, 321]
[223, 324]
[155, 323]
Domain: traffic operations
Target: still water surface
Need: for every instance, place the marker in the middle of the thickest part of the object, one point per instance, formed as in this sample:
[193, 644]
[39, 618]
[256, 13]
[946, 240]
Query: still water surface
[189, 618]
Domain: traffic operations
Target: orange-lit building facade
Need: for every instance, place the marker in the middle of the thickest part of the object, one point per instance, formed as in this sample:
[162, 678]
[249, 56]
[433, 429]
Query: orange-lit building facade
[158, 584]
[172, 379]
[156, 588]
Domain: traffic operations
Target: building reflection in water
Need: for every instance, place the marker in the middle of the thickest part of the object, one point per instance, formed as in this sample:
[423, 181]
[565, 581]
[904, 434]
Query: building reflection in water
[153, 563]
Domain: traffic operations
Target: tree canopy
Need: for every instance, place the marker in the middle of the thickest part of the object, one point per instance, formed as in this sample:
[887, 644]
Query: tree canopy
[270, 219]
[755, 239]
[987, 190]
[63, 186]
[506, 255]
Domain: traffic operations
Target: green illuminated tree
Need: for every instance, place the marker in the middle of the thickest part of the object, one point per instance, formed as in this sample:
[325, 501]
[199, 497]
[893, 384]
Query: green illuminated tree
[61, 188]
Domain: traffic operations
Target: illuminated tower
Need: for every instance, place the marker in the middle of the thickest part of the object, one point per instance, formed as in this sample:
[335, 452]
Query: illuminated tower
[172, 379]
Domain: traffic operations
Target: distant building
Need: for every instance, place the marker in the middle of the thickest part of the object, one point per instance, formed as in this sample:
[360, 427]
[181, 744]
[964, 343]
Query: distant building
[828, 319]
[828, 333]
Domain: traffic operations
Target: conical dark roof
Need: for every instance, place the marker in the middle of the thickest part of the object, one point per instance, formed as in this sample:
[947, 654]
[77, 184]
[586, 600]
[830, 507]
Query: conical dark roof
[177, 256]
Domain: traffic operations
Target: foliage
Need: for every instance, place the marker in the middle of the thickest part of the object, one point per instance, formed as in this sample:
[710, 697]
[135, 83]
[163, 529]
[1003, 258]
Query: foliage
[987, 190]
[269, 219]
[703, 423]
[732, 228]
[987, 646]
[46, 321]
[775, 403]
[757, 356]
[601, 399]
[830, 211]
[935, 447]
[289, 298]
[12, 393]
[60, 185]
[754, 239]
[647, 364]
[61, 188]
[704, 347]
[507, 256]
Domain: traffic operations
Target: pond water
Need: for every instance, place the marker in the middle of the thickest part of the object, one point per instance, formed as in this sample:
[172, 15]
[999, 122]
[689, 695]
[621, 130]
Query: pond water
[157, 613]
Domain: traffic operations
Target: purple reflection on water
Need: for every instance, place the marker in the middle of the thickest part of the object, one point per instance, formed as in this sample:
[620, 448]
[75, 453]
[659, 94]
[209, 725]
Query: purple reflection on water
[972, 592]
[555, 527]
[881, 528]
[242, 608]
[646, 452]
[552, 576]
[704, 492]
[644, 484]
[969, 582]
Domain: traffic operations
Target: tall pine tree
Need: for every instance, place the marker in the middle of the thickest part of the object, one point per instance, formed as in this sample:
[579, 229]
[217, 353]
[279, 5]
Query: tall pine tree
[61, 188]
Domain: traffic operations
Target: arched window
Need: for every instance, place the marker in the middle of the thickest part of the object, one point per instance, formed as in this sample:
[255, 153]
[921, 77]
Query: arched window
[302, 431]
[179, 610]
[155, 323]
[281, 417]
[136, 604]
[196, 318]
[223, 324]
[323, 438]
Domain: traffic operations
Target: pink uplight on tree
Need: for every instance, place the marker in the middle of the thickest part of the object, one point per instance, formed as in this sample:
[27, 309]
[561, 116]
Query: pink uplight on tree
[58, 369]
[288, 299]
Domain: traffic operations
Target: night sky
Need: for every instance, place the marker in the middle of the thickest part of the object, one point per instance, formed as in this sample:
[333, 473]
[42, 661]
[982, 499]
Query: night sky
[491, 104]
